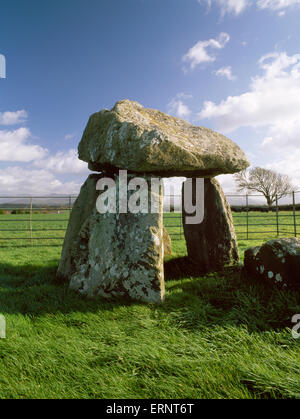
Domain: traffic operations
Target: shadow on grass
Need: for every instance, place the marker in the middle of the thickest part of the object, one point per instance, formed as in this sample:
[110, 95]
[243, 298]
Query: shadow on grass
[181, 267]
[226, 298]
[192, 302]
[34, 290]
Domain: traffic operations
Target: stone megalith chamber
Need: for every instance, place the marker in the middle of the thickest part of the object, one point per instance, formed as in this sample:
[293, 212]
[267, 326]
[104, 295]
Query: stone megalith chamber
[211, 244]
[120, 252]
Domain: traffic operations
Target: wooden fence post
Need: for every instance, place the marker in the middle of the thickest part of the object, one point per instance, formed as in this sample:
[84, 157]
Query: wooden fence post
[277, 216]
[247, 213]
[180, 224]
[30, 220]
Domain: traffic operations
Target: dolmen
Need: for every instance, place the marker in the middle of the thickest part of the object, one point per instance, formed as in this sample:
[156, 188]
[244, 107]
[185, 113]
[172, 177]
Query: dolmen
[114, 245]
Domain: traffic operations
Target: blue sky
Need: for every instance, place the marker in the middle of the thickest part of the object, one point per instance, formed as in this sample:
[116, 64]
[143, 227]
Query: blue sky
[233, 66]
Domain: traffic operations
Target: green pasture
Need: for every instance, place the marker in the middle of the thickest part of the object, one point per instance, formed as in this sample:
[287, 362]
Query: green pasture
[215, 336]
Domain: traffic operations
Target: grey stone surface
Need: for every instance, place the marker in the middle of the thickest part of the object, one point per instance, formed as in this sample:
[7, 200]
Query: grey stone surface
[144, 140]
[113, 255]
[212, 244]
[276, 262]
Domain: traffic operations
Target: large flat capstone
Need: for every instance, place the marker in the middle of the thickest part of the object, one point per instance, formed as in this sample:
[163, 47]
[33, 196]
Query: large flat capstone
[114, 254]
[144, 140]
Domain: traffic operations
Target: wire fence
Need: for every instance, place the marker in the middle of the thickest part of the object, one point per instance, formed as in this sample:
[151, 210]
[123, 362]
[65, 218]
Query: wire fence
[254, 220]
[44, 220]
[33, 220]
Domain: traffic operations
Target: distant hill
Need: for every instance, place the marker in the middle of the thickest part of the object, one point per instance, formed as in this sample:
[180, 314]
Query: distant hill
[53, 200]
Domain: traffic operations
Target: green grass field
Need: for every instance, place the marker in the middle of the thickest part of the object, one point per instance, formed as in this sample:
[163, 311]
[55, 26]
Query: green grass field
[214, 337]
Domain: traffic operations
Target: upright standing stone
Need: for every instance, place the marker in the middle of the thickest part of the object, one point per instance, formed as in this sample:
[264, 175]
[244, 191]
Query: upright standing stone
[212, 244]
[114, 254]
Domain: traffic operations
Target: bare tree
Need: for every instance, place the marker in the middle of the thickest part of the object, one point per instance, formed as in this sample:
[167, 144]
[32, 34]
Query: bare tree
[271, 184]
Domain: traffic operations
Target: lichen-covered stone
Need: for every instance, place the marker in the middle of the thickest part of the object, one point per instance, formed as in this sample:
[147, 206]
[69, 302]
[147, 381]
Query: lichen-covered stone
[275, 262]
[113, 255]
[212, 244]
[144, 140]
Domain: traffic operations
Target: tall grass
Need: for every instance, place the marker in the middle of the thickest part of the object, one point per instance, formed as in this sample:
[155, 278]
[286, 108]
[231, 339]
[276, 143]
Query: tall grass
[215, 336]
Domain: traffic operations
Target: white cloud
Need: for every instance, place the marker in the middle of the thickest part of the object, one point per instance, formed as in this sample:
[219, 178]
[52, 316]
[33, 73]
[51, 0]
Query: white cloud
[234, 7]
[277, 5]
[64, 162]
[228, 183]
[178, 108]
[70, 136]
[13, 118]
[41, 178]
[20, 181]
[14, 146]
[273, 100]
[198, 54]
[225, 72]
[273, 104]
[288, 163]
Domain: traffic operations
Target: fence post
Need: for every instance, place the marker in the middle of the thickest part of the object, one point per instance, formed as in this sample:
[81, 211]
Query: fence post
[294, 214]
[180, 223]
[70, 205]
[247, 215]
[277, 216]
[30, 220]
